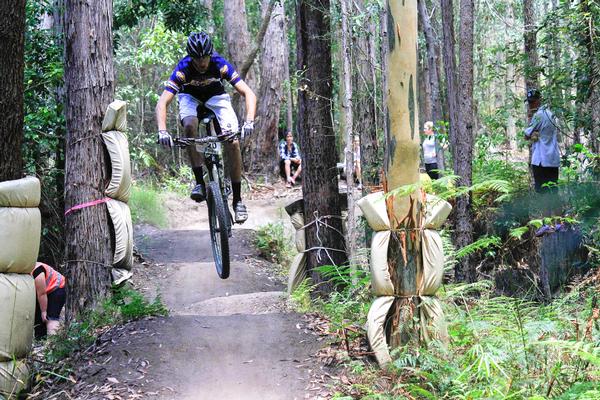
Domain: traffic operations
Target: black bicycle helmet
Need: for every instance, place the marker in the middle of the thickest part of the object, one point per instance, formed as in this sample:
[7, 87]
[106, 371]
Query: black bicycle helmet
[199, 45]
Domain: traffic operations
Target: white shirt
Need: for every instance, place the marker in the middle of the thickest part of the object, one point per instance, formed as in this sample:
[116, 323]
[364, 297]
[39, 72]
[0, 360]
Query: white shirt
[429, 154]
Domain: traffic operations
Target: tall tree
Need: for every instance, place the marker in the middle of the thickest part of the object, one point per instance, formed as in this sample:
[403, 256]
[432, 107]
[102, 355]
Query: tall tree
[319, 184]
[463, 153]
[89, 89]
[12, 66]
[447, 7]
[263, 149]
[590, 15]
[364, 93]
[432, 57]
[239, 44]
[530, 40]
[346, 101]
[402, 170]
[433, 74]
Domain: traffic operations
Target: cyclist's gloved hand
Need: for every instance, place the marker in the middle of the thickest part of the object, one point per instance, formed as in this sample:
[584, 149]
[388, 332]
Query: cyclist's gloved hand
[247, 129]
[165, 139]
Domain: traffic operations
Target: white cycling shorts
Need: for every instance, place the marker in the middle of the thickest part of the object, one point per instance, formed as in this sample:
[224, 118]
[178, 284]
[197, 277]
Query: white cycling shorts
[220, 105]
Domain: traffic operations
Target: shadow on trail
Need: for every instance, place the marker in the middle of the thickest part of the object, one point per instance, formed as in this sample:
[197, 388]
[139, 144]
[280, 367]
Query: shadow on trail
[187, 246]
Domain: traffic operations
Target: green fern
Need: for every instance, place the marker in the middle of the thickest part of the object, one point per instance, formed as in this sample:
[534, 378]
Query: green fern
[483, 243]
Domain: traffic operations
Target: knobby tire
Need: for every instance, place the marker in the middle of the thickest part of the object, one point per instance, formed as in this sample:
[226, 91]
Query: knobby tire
[219, 229]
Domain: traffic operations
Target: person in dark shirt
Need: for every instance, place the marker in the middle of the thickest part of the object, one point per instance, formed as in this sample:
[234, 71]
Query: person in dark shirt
[198, 81]
[289, 160]
[51, 297]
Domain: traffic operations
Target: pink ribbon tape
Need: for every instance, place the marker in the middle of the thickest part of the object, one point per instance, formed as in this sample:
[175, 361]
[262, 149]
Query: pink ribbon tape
[85, 205]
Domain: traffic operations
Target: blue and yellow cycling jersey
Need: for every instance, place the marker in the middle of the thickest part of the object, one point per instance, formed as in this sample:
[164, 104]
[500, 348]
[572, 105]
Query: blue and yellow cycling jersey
[186, 79]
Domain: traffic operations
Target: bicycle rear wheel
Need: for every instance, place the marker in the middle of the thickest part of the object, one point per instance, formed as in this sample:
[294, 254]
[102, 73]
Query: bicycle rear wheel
[219, 229]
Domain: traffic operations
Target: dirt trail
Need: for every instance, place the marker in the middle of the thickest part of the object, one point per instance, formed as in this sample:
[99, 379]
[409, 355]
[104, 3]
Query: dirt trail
[224, 339]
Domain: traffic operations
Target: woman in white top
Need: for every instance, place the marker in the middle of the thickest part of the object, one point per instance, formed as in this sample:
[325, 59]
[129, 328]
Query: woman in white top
[429, 151]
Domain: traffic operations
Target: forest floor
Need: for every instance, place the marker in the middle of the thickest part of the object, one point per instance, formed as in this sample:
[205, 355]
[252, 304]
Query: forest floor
[223, 339]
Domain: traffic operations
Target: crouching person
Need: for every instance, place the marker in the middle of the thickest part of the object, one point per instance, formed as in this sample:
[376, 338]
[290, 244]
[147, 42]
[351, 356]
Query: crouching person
[51, 298]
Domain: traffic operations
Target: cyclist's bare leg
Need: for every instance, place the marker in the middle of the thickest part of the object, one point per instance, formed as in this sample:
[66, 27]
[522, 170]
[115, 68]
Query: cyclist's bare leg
[234, 156]
[190, 128]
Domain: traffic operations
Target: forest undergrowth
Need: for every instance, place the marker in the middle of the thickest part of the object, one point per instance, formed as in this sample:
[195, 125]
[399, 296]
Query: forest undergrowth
[500, 347]
[516, 346]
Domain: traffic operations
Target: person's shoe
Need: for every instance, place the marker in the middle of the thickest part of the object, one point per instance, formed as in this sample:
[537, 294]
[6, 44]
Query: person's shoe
[198, 193]
[241, 214]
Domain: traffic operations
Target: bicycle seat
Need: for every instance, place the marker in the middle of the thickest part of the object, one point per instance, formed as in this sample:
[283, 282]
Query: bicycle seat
[205, 115]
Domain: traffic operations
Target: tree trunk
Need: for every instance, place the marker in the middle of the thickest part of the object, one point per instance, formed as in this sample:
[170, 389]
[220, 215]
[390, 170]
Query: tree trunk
[346, 40]
[531, 55]
[208, 5]
[450, 69]
[263, 151]
[89, 84]
[593, 99]
[288, 83]
[463, 156]
[433, 76]
[238, 46]
[12, 67]
[384, 52]
[364, 97]
[319, 183]
[404, 253]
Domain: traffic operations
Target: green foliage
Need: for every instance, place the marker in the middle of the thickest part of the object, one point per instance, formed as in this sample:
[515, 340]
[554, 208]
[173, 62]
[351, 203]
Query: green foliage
[274, 243]
[300, 297]
[346, 306]
[180, 183]
[44, 123]
[124, 305]
[132, 305]
[147, 206]
[504, 348]
[488, 243]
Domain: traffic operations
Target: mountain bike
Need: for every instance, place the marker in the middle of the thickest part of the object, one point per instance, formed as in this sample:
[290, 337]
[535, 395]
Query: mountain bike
[218, 188]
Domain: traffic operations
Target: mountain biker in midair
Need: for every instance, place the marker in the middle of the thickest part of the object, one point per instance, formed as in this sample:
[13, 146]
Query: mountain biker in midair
[198, 80]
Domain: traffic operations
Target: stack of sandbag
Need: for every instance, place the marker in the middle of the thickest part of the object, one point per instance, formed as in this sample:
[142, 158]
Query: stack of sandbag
[114, 127]
[20, 230]
[298, 267]
[429, 279]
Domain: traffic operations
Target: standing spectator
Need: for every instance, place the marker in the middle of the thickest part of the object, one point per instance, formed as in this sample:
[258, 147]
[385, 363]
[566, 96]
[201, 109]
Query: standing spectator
[542, 132]
[290, 161]
[429, 151]
[51, 297]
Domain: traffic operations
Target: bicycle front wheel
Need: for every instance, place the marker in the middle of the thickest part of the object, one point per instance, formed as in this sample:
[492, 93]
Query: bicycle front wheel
[219, 229]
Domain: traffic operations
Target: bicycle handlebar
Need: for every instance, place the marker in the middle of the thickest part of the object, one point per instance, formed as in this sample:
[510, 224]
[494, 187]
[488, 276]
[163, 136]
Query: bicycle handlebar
[184, 141]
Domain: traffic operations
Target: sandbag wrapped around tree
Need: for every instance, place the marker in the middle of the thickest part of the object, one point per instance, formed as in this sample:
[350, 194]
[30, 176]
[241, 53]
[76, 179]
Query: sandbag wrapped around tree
[298, 224]
[376, 328]
[120, 275]
[436, 212]
[115, 118]
[433, 323]
[381, 281]
[374, 210]
[24, 193]
[123, 229]
[20, 230]
[297, 272]
[14, 375]
[430, 278]
[119, 187]
[17, 315]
